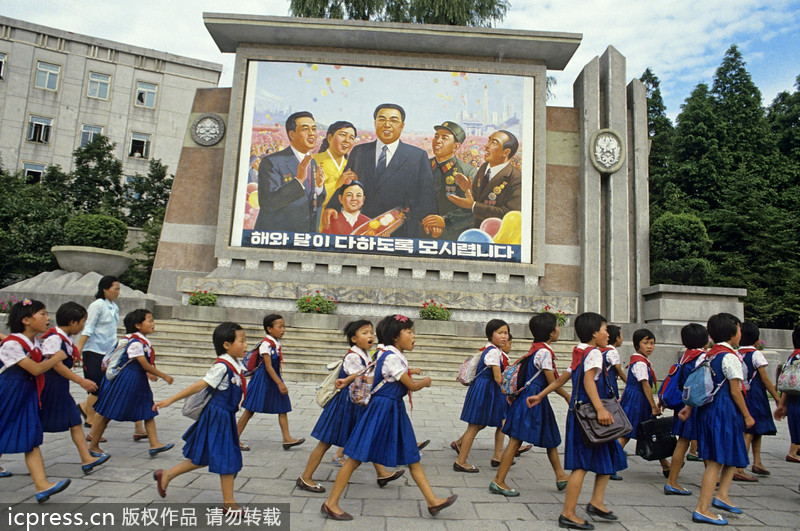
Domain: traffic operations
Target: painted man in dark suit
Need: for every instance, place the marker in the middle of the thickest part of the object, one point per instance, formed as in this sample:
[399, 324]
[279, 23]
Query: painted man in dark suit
[394, 174]
[451, 220]
[497, 188]
[289, 197]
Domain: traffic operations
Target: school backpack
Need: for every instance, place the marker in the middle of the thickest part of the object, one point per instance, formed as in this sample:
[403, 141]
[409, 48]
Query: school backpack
[510, 385]
[469, 369]
[327, 389]
[789, 378]
[699, 388]
[252, 360]
[110, 363]
[361, 388]
[670, 394]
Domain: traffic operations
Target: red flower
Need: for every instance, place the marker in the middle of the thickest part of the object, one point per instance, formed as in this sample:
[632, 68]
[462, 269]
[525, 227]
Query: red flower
[317, 308]
[317, 291]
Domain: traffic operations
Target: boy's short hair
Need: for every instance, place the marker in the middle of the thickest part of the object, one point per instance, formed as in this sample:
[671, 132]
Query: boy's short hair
[269, 320]
[613, 333]
[640, 335]
[586, 324]
[70, 312]
[351, 328]
[694, 335]
[750, 334]
[136, 317]
[493, 326]
[796, 336]
[542, 325]
[722, 327]
[224, 333]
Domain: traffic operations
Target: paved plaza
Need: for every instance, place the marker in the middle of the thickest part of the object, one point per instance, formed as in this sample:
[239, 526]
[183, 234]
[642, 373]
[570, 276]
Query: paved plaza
[269, 476]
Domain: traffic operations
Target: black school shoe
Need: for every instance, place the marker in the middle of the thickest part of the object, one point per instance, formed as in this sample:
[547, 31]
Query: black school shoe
[569, 524]
[594, 511]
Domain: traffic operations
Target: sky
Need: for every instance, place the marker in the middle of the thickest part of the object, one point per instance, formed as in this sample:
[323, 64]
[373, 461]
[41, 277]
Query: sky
[682, 41]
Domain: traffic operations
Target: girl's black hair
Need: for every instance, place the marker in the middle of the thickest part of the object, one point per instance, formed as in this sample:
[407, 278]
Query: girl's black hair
[640, 335]
[224, 333]
[136, 317]
[586, 324]
[750, 334]
[70, 312]
[335, 126]
[722, 327]
[694, 335]
[269, 320]
[542, 325]
[351, 328]
[493, 326]
[105, 283]
[796, 336]
[389, 328]
[19, 311]
[613, 333]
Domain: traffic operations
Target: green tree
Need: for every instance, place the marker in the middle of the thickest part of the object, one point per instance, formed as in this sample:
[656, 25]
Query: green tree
[138, 275]
[148, 195]
[679, 247]
[452, 12]
[660, 131]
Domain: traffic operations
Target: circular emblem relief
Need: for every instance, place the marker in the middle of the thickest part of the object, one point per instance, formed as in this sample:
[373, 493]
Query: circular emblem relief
[208, 129]
[606, 151]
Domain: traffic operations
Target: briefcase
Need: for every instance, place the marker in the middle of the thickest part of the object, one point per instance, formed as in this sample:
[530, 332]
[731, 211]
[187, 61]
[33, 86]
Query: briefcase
[594, 433]
[654, 439]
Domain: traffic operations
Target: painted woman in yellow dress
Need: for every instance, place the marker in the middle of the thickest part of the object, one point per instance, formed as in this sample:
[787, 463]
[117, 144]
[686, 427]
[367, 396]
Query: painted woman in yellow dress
[332, 157]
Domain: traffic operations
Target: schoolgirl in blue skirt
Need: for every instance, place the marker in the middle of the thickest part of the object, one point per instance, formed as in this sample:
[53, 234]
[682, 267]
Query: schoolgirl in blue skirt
[128, 397]
[384, 433]
[758, 384]
[638, 400]
[268, 393]
[789, 406]
[611, 359]
[340, 414]
[694, 337]
[21, 380]
[589, 384]
[721, 423]
[213, 440]
[59, 412]
[485, 405]
[536, 425]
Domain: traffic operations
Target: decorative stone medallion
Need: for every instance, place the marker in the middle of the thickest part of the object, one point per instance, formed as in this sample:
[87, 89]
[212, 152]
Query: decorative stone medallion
[208, 129]
[606, 151]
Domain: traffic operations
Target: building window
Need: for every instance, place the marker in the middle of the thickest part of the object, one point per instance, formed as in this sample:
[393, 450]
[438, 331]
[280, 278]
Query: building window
[2, 65]
[98, 85]
[140, 146]
[47, 75]
[88, 133]
[32, 172]
[39, 129]
[146, 94]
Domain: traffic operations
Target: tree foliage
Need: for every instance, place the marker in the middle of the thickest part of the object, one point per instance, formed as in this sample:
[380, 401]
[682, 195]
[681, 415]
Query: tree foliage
[452, 12]
[148, 195]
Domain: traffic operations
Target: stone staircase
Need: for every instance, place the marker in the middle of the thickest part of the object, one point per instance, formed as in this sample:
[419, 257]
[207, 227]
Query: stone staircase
[185, 348]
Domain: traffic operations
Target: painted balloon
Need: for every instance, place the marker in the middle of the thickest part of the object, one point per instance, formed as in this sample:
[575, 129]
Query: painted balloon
[253, 199]
[474, 236]
[491, 225]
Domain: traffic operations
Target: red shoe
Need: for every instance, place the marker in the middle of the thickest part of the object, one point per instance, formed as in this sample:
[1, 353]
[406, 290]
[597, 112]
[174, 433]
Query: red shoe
[792, 459]
[103, 439]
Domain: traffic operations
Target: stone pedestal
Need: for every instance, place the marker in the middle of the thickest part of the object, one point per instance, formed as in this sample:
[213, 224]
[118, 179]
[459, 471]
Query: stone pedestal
[681, 305]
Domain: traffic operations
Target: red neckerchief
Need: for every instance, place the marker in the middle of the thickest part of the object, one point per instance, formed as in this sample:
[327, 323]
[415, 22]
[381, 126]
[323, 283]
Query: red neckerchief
[577, 356]
[537, 346]
[277, 347]
[35, 354]
[639, 357]
[241, 376]
[76, 355]
[151, 358]
[795, 353]
[691, 354]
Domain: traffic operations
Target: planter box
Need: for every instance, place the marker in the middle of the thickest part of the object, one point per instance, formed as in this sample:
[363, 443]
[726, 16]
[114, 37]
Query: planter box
[213, 314]
[87, 259]
[318, 321]
[437, 328]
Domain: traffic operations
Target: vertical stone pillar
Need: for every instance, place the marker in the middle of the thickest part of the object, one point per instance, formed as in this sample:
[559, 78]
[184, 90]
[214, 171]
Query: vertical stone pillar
[639, 174]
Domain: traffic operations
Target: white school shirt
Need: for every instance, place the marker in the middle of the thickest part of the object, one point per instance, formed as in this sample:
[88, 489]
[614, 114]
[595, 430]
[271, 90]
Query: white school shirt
[12, 352]
[266, 349]
[543, 361]
[52, 344]
[613, 357]
[640, 371]
[494, 357]
[731, 365]
[215, 377]
[355, 360]
[136, 349]
[395, 365]
[593, 360]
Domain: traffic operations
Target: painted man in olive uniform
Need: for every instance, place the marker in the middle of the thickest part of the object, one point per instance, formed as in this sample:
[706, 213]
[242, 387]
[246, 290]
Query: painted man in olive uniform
[451, 220]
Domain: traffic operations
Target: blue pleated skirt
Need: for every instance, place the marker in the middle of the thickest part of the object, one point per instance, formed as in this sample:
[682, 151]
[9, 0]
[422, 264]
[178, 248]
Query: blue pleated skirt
[758, 405]
[383, 434]
[636, 406]
[127, 397]
[688, 429]
[485, 404]
[59, 412]
[793, 418]
[536, 425]
[263, 395]
[607, 458]
[20, 427]
[337, 420]
[720, 432]
[213, 441]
